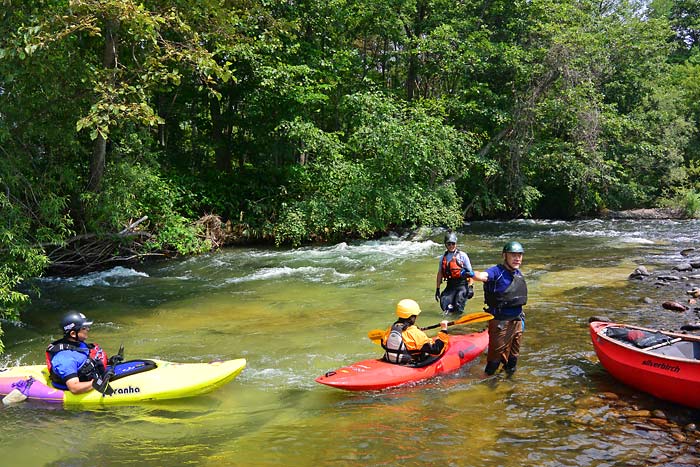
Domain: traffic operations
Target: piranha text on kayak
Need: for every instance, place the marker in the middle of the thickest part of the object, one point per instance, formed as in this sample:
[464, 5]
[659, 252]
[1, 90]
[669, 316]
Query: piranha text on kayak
[129, 390]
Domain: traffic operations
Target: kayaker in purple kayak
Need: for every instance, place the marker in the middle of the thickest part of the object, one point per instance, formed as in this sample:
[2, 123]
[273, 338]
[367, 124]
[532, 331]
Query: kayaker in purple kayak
[75, 365]
[405, 343]
[505, 293]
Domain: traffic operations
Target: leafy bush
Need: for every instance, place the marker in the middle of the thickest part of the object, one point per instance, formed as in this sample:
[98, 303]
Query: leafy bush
[134, 190]
[393, 166]
[19, 259]
[685, 199]
[691, 203]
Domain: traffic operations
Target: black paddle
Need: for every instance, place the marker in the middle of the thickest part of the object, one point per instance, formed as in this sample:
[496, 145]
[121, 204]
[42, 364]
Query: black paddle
[102, 384]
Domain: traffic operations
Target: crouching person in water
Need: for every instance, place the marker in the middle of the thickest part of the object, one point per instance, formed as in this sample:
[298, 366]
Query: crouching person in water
[405, 343]
[505, 293]
[73, 364]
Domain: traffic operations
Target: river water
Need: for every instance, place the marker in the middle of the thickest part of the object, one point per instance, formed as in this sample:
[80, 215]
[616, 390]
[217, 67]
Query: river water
[295, 314]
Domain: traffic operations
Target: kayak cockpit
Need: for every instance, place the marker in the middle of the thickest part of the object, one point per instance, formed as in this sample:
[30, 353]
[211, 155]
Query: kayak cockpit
[680, 349]
[655, 342]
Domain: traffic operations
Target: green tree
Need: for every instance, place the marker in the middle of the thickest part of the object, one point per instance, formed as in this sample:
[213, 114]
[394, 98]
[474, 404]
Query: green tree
[393, 165]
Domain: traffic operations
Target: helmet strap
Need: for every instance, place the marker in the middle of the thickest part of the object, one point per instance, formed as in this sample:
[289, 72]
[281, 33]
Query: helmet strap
[72, 334]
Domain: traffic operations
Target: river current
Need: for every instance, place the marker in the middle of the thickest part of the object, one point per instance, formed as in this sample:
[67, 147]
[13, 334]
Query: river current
[296, 313]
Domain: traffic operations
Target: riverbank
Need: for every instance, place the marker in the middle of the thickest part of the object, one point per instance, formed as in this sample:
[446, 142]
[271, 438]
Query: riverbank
[646, 213]
[89, 253]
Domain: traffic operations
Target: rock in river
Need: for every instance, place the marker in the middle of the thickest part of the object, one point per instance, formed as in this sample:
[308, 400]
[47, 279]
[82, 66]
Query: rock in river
[675, 306]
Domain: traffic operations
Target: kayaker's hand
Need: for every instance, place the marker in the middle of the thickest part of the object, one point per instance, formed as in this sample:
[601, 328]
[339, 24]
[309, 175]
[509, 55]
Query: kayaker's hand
[437, 294]
[443, 325]
[101, 383]
[98, 384]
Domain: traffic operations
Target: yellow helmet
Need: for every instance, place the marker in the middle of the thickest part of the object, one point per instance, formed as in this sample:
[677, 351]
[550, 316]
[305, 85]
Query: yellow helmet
[407, 308]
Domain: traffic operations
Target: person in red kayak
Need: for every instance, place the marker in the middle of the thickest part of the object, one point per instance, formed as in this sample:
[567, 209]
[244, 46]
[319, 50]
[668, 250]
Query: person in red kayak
[405, 343]
[75, 365]
[505, 293]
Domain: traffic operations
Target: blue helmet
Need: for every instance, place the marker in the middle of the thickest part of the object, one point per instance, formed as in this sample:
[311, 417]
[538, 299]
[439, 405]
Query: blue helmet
[73, 321]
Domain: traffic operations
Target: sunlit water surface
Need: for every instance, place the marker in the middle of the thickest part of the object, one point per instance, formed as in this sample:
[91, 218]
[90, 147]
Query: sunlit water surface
[295, 314]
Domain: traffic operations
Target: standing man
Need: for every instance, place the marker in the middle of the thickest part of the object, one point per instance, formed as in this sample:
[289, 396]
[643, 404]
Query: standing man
[456, 269]
[505, 293]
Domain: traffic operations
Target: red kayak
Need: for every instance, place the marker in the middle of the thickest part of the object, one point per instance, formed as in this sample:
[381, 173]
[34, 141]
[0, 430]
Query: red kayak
[663, 364]
[374, 374]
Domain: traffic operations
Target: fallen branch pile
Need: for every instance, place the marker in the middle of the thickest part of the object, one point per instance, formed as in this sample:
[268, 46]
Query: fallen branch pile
[87, 253]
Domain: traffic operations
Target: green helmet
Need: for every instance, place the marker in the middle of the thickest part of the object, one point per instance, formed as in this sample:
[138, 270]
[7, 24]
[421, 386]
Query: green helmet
[513, 247]
[450, 237]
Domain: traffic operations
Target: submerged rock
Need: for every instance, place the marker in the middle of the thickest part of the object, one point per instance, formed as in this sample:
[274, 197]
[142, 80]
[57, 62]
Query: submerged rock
[683, 267]
[641, 413]
[687, 251]
[674, 306]
[609, 396]
[639, 272]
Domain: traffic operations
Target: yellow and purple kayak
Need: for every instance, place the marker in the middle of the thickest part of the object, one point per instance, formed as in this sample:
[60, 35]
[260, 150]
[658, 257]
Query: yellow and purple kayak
[134, 381]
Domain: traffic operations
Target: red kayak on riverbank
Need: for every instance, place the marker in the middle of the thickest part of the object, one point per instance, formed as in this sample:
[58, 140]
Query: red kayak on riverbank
[661, 363]
[375, 374]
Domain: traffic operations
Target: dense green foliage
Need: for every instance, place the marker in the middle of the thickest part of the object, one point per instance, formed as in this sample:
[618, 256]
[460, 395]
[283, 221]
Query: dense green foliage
[325, 119]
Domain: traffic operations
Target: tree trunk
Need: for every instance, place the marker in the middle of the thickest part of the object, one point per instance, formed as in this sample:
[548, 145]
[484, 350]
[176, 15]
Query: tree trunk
[414, 35]
[97, 163]
[221, 136]
[99, 148]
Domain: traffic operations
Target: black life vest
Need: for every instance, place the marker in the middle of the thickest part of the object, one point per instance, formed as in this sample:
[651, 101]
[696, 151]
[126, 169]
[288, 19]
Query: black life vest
[453, 268]
[395, 348]
[515, 294]
[94, 366]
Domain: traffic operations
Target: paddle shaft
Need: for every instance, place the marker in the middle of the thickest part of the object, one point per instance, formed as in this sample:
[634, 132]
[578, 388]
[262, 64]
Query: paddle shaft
[376, 334]
[108, 376]
[470, 318]
[433, 326]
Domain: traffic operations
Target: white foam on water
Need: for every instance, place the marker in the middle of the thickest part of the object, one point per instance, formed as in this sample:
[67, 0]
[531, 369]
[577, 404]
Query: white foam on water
[639, 240]
[318, 263]
[393, 248]
[389, 246]
[110, 278]
[310, 273]
[9, 362]
[116, 277]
